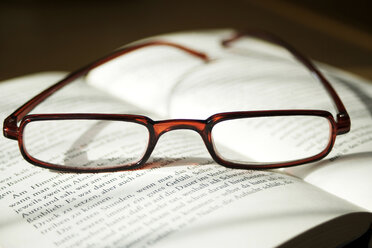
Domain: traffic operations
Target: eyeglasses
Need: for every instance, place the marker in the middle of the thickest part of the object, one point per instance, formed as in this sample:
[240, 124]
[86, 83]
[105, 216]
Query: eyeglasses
[85, 139]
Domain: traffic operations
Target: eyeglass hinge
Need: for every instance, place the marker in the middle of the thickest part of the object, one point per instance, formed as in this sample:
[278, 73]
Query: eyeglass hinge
[10, 129]
[343, 123]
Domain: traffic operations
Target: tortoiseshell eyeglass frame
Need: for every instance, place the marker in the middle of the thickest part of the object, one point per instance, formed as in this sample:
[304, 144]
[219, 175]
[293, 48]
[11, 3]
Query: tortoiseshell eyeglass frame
[339, 126]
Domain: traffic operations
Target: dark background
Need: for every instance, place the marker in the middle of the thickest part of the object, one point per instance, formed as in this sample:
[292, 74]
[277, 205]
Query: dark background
[64, 35]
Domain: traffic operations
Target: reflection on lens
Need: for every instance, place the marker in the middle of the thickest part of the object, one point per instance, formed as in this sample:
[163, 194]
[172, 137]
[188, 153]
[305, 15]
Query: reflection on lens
[86, 143]
[266, 140]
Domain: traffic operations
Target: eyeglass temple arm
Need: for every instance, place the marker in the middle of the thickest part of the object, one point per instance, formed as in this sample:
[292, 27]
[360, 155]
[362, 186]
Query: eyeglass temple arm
[10, 128]
[343, 119]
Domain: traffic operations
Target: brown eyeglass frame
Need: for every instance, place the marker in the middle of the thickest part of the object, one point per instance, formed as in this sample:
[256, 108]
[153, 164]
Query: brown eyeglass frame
[156, 128]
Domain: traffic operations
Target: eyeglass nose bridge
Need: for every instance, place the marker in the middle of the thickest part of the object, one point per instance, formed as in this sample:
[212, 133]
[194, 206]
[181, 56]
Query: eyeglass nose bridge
[162, 127]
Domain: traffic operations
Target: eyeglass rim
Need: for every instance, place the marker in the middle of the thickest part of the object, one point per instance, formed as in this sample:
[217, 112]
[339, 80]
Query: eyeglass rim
[157, 128]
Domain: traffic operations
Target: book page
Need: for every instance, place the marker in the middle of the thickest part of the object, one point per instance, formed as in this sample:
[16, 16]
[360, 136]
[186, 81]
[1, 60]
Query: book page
[244, 83]
[347, 170]
[181, 190]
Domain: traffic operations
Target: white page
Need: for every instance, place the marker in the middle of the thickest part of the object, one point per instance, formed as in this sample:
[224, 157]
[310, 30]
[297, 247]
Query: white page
[141, 208]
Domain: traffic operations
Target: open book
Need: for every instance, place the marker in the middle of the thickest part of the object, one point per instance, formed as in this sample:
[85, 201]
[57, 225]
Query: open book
[183, 198]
